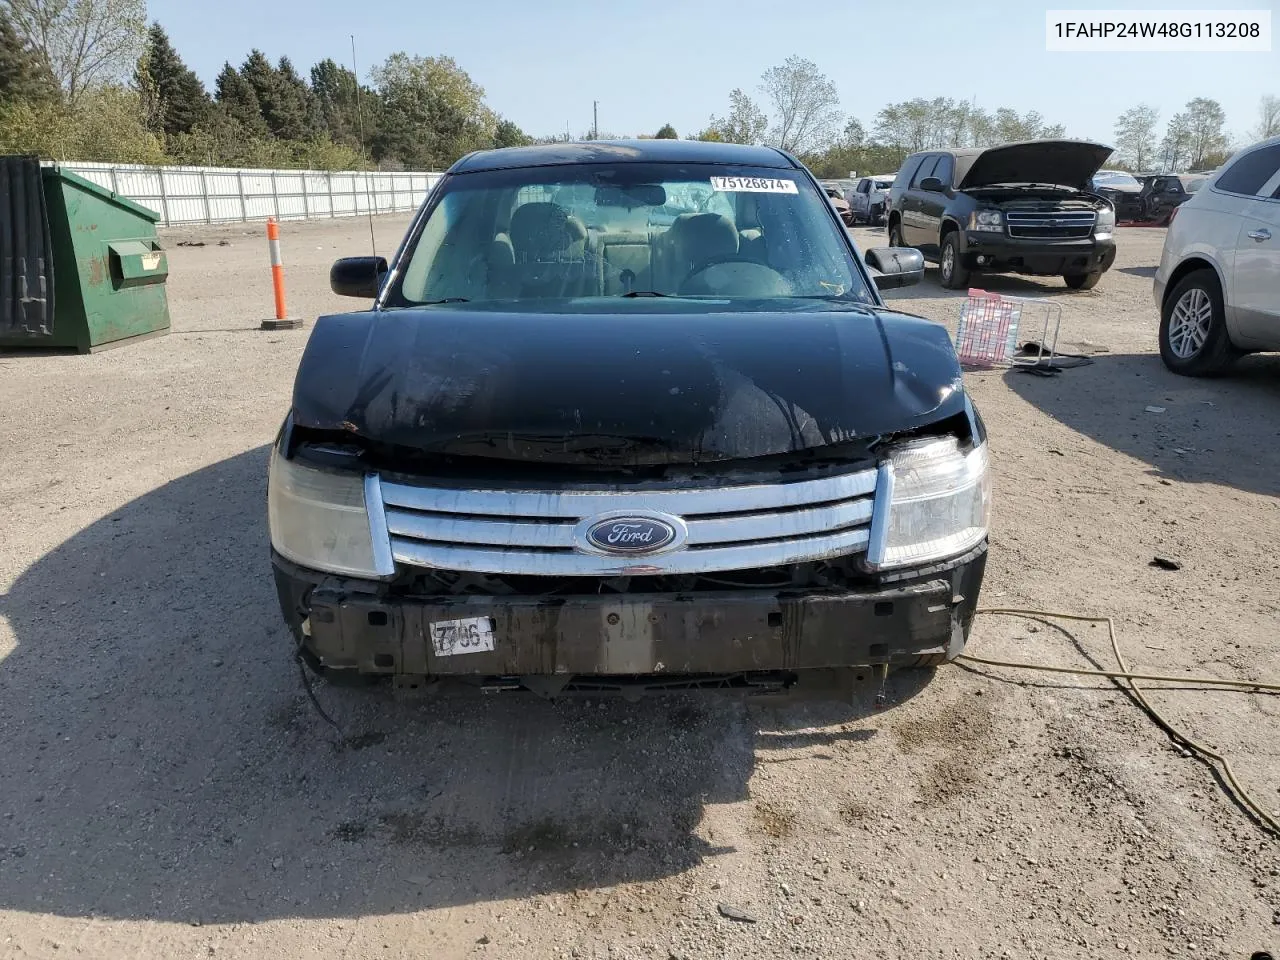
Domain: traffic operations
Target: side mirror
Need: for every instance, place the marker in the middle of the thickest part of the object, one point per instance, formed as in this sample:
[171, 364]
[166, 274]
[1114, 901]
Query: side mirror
[357, 276]
[895, 266]
[931, 185]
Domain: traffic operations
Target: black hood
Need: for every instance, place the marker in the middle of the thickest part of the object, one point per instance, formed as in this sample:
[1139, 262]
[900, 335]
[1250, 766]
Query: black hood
[650, 384]
[1067, 163]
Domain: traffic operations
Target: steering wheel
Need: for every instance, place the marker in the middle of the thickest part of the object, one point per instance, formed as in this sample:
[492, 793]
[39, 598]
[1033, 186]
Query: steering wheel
[742, 276]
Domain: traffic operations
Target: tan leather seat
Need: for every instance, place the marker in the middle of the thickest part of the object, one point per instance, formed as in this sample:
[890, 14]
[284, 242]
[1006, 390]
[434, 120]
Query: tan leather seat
[693, 241]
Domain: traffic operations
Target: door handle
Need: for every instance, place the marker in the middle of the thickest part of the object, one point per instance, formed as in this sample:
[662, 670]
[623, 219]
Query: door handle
[1260, 235]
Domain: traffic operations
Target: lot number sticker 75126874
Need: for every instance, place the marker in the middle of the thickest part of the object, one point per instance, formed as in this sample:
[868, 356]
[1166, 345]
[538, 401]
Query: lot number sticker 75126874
[753, 185]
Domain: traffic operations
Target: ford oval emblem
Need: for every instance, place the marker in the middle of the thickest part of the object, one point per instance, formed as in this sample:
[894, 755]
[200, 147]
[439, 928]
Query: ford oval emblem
[630, 535]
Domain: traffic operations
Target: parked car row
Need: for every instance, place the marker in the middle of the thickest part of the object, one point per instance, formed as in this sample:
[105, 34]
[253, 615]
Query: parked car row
[1146, 198]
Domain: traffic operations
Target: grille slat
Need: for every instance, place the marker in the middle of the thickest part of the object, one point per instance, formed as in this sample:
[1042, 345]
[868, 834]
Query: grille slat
[1051, 225]
[576, 504]
[538, 532]
[565, 564]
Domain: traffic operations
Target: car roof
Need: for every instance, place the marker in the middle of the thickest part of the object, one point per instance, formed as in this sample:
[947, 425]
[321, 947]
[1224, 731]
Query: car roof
[623, 151]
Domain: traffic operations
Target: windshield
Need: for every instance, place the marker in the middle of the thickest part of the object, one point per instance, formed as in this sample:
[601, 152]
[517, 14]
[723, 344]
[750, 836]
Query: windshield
[884, 184]
[1114, 178]
[1192, 184]
[610, 230]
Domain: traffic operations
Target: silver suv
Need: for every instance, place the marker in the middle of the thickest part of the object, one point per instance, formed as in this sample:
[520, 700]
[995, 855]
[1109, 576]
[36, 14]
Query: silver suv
[1218, 284]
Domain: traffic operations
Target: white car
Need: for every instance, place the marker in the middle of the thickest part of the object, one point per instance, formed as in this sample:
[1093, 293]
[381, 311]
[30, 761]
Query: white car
[1218, 283]
[867, 200]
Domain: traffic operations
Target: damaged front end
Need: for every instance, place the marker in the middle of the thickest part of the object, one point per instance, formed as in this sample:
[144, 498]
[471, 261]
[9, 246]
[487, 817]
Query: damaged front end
[487, 571]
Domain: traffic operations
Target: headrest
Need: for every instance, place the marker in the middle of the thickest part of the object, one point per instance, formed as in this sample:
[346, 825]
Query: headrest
[704, 236]
[545, 228]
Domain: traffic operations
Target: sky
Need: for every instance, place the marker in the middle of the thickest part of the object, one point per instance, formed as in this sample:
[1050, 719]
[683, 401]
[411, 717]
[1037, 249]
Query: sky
[542, 64]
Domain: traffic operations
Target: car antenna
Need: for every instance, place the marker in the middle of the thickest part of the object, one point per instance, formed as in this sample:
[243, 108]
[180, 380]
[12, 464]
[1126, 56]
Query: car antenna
[368, 193]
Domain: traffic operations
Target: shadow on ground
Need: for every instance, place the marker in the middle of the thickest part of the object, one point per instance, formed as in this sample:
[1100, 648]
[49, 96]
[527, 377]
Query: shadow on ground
[1205, 431]
[161, 760]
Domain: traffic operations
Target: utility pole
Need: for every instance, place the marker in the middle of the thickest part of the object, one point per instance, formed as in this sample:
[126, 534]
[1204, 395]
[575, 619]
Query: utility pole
[595, 119]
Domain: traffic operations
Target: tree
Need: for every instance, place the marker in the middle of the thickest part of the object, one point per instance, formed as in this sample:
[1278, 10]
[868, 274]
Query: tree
[344, 109]
[239, 102]
[666, 132]
[281, 94]
[434, 112]
[82, 43]
[1205, 120]
[105, 123]
[23, 73]
[806, 105]
[746, 123]
[1011, 127]
[297, 113]
[174, 99]
[1136, 136]
[507, 134]
[1268, 118]
[1175, 147]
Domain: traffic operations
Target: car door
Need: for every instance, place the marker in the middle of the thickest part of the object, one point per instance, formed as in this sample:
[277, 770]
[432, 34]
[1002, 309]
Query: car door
[860, 195]
[1167, 194]
[1255, 285]
[932, 206]
[914, 230]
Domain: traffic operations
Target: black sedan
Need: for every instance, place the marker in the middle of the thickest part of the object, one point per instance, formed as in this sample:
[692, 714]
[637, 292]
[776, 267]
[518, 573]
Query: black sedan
[578, 446]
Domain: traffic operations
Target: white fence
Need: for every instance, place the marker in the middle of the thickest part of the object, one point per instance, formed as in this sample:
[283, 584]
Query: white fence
[225, 195]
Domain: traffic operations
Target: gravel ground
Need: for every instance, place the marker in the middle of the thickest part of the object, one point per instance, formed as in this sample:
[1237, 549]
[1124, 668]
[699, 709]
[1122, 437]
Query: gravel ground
[167, 791]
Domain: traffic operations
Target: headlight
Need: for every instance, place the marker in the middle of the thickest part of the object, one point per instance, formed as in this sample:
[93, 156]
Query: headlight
[1106, 221]
[318, 519]
[986, 220]
[937, 503]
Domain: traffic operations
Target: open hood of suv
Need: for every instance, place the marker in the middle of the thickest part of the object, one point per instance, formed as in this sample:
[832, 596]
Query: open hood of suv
[1067, 163]
[640, 385]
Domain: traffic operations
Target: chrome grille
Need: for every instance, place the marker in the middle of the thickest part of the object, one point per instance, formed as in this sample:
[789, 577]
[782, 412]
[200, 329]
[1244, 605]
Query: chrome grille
[1052, 225]
[537, 532]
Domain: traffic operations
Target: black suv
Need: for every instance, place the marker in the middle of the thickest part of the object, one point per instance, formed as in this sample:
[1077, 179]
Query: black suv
[1019, 208]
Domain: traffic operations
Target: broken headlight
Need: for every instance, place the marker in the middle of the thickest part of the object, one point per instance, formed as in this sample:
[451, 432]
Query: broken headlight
[936, 503]
[318, 518]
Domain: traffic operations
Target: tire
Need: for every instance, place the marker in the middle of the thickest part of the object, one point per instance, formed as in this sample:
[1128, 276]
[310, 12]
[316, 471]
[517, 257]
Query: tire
[895, 234]
[1193, 327]
[951, 271]
[1082, 281]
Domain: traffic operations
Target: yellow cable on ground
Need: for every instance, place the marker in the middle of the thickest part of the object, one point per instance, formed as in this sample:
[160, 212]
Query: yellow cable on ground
[1124, 674]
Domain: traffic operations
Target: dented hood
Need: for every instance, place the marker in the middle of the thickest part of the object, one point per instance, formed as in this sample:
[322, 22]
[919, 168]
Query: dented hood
[655, 383]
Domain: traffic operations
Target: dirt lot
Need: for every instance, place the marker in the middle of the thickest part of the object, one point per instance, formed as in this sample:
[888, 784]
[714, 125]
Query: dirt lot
[167, 791]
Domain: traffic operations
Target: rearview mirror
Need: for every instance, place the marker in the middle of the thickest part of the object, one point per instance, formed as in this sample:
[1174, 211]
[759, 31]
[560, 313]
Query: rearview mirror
[631, 195]
[895, 266]
[357, 276]
[931, 185]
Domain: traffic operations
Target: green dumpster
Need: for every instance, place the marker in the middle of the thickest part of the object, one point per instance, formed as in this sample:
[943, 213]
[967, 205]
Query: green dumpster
[108, 270]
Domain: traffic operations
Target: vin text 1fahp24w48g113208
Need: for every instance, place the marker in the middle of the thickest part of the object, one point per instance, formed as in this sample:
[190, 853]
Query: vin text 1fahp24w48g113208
[627, 416]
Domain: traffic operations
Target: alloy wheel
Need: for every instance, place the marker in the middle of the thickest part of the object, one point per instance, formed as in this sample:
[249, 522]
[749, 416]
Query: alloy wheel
[1189, 323]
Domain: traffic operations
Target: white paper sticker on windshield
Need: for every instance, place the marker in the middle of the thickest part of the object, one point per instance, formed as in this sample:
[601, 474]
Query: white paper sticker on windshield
[752, 185]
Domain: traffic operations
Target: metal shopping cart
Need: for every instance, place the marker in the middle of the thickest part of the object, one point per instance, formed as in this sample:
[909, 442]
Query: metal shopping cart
[990, 325]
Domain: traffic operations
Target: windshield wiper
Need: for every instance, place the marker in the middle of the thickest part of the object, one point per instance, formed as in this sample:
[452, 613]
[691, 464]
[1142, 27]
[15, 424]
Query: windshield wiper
[432, 303]
[643, 293]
